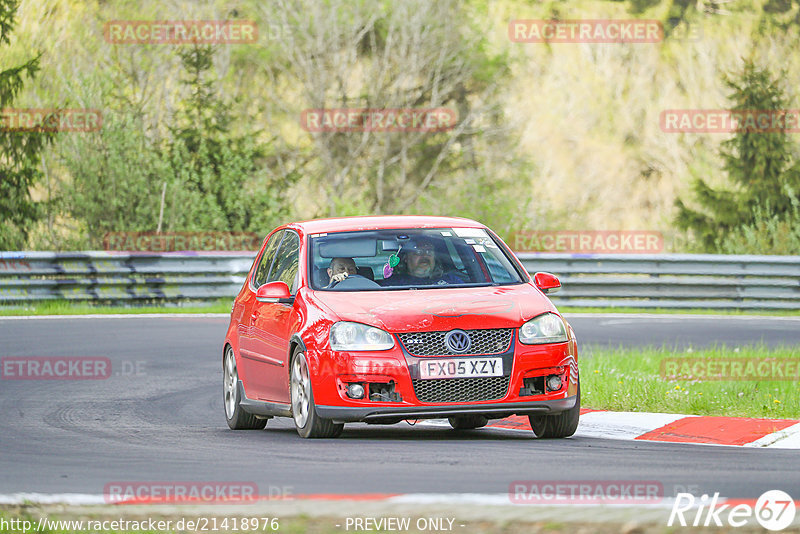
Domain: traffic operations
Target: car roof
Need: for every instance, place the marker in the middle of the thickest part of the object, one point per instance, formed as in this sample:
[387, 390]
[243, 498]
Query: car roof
[378, 222]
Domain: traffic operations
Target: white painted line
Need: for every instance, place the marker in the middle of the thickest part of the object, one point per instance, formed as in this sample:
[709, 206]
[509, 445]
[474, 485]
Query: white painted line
[664, 316]
[118, 316]
[678, 316]
[623, 425]
[481, 499]
[504, 499]
[788, 438]
[52, 498]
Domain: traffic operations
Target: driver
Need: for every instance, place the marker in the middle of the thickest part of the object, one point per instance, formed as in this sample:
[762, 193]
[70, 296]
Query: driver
[419, 266]
[341, 268]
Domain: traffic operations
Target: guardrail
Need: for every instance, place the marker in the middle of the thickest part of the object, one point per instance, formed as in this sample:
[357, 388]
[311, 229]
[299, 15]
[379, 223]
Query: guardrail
[673, 280]
[642, 281]
[37, 276]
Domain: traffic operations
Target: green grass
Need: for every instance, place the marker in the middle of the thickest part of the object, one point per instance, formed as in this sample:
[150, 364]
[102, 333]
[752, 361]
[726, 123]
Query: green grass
[629, 379]
[63, 307]
[688, 311]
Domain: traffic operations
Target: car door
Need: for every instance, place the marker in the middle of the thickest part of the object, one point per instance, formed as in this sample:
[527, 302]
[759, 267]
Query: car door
[272, 323]
[253, 369]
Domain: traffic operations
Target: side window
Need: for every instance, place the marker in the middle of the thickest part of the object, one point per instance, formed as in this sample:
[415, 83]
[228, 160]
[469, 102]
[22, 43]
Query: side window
[287, 262]
[262, 271]
[498, 272]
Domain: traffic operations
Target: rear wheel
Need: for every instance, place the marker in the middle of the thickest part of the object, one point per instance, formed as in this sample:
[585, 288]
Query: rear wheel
[468, 422]
[306, 420]
[561, 425]
[237, 418]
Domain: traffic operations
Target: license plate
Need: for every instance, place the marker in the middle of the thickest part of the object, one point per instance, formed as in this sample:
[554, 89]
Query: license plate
[460, 368]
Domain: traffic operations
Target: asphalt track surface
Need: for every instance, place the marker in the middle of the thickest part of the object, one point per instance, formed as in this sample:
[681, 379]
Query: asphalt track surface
[165, 423]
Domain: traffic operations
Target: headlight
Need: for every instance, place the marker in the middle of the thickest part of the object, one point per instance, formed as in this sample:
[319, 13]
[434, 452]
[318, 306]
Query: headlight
[546, 328]
[356, 336]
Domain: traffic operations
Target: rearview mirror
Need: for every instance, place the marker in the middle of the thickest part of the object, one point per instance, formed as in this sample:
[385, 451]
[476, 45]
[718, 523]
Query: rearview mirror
[274, 292]
[547, 282]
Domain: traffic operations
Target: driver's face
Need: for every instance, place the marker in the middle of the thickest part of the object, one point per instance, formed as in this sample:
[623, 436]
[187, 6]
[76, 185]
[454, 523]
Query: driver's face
[420, 261]
[342, 266]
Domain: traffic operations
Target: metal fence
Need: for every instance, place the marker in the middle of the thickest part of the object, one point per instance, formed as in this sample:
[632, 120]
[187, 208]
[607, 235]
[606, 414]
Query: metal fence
[642, 281]
[673, 280]
[37, 276]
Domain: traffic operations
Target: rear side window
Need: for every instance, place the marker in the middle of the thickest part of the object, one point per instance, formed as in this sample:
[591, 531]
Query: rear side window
[262, 271]
[287, 262]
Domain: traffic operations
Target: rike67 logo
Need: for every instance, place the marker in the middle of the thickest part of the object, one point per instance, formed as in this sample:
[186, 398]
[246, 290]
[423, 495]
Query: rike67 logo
[774, 510]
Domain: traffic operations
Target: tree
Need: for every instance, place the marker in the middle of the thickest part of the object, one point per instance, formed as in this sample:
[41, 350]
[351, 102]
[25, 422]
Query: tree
[761, 166]
[381, 56]
[19, 150]
[194, 175]
[226, 177]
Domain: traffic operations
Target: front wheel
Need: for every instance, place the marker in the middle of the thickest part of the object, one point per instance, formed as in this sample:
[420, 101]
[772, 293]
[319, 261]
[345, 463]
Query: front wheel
[560, 425]
[468, 422]
[306, 420]
[237, 418]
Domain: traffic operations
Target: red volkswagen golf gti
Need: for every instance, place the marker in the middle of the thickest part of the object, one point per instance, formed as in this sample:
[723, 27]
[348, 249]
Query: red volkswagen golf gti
[381, 319]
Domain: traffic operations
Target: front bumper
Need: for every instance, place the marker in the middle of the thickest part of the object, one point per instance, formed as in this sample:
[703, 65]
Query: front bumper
[377, 414]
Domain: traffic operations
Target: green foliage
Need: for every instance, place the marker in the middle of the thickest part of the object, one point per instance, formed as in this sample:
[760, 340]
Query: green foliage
[213, 167]
[767, 234]
[116, 183]
[209, 178]
[760, 165]
[19, 150]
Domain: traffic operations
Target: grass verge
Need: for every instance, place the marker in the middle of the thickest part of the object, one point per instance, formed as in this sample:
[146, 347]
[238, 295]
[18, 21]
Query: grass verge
[671, 311]
[644, 380]
[65, 307]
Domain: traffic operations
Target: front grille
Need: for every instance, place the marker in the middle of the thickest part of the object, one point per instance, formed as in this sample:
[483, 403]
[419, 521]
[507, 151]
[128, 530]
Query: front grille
[461, 389]
[493, 341]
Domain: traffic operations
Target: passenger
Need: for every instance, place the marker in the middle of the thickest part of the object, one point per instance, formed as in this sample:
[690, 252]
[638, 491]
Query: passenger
[419, 266]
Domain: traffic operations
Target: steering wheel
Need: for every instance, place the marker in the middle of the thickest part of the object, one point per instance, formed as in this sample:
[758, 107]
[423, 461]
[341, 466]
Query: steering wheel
[353, 277]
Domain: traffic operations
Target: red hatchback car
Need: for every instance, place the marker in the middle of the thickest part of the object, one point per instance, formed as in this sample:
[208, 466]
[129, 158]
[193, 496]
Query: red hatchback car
[381, 319]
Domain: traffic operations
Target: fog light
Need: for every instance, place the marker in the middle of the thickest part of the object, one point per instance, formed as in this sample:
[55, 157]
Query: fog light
[355, 391]
[553, 382]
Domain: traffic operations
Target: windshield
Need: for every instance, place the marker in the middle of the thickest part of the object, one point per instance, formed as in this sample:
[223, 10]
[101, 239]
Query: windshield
[408, 259]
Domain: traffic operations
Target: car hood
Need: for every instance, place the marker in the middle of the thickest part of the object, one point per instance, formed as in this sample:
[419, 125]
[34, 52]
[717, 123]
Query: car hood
[439, 309]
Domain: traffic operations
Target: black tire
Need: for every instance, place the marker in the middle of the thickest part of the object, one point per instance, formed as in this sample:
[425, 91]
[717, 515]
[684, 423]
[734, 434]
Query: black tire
[561, 425]
[237, 418]
[310, 424]
[468, 422]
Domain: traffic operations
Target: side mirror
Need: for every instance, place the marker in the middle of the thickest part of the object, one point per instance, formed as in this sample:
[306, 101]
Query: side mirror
[547, 282]
[274, 292]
